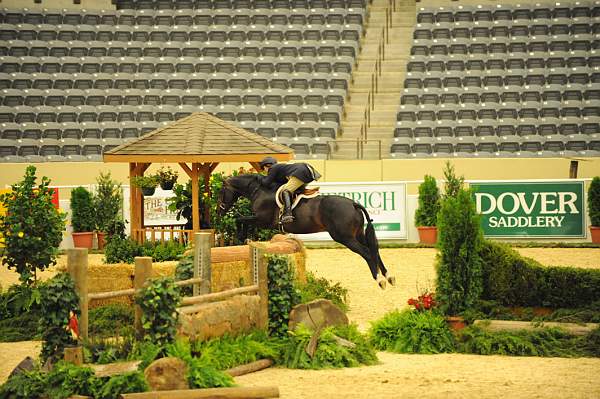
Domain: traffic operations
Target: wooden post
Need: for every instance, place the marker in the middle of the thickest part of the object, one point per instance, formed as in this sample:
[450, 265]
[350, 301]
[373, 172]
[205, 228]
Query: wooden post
[195, 200]
[74, 355]
[213, 393]
[258, 262]
[143, 272]
[206, 175]
[77, 265]
[202, 263]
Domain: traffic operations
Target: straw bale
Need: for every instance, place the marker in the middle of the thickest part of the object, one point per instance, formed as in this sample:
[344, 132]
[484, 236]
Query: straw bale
[228, 275]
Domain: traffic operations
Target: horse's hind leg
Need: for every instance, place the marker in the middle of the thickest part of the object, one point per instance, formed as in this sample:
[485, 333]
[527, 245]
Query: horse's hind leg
[355, 246]
[391, 279]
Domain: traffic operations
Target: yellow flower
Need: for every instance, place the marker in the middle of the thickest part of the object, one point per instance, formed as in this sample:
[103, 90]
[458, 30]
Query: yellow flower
[21, 234]
[205, 195]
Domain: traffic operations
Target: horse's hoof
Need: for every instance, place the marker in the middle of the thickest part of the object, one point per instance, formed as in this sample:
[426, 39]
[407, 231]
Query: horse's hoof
[391, 280]
[381, 284]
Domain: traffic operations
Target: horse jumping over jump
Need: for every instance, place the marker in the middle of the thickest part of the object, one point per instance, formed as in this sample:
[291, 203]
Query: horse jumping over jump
[341, 217]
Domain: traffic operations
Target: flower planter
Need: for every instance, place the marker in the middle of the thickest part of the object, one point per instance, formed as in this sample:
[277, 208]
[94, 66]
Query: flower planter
[456, 323]
[167, 185]
[427, 234]
[595, 233]
[148, 191]
[101, 239]
[83, 239]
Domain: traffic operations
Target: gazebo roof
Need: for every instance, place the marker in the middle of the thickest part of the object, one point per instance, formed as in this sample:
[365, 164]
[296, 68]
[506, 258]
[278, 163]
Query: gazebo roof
[197, 138]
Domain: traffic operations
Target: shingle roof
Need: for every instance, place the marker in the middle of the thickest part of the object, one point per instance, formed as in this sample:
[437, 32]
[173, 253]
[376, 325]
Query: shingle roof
[200, 137]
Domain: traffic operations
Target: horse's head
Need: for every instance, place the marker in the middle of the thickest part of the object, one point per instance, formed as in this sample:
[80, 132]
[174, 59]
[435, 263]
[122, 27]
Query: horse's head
[227, 197]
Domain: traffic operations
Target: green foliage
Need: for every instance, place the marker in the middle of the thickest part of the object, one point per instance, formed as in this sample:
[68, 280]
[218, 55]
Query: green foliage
[429, 203]
[66, 380]
[147, 181]
[82, 210]
[108, 202]
[329, 353]
[163, 251]
[185, 271]
[411, 331]
[58, 298]
[159, 300]
[167, 175]
[459, 265]
[319, 287]
[110, 319]
[25, 385]
[514, 280]
[31, 227]
[453, 183]
[123, 383]
[594, 201]
[121, 250]
[19, 313]
[282, 293]
[227, 352]
[540, 342]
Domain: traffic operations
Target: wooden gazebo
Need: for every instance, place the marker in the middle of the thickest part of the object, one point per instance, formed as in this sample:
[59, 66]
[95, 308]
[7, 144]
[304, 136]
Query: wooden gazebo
[198, 143]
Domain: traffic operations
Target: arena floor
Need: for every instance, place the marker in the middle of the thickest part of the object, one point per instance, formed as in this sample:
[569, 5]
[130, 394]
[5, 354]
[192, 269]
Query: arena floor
[407, 376]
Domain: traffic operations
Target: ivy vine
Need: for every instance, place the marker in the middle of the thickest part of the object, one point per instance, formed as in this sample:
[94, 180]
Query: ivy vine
[58, 298]
[283, 295]
[159, 300]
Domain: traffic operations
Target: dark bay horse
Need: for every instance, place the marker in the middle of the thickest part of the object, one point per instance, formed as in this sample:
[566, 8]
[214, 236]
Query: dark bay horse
[341, 217]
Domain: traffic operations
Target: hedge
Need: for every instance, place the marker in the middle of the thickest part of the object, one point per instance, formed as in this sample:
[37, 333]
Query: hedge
[514, 280]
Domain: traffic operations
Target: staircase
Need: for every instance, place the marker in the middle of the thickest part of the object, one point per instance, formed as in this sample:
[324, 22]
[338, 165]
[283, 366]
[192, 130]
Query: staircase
[390, 82]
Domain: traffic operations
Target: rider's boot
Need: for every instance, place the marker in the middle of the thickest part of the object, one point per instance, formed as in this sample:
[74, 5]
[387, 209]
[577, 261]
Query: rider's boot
[287, 210]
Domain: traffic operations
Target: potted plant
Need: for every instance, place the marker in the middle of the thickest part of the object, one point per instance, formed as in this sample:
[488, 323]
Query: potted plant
[82, 217]
[108, 202]
[167, 178]
[148, 184]
[594, 209]
[426, 214]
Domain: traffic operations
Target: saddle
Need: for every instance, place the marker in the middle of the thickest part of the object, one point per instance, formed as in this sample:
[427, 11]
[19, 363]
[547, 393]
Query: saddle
[298, 195]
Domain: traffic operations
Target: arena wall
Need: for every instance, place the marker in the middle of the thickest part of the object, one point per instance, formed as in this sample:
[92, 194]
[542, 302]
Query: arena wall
[58, 4]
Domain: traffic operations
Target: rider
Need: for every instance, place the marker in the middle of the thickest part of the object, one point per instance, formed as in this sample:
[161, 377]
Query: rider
[291, 176]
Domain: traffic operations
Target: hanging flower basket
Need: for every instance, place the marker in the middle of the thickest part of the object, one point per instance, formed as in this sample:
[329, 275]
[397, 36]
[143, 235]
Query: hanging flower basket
[148, 191]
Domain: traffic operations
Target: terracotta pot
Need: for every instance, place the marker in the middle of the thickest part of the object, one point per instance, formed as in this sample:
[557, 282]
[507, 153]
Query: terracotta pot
[427, 234]
[595, 233]
[456, 322]
[148, 191]
[83, 239]
[101, 239]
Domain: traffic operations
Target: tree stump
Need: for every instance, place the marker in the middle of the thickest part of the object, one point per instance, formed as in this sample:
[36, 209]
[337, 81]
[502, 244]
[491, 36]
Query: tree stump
[316, 315]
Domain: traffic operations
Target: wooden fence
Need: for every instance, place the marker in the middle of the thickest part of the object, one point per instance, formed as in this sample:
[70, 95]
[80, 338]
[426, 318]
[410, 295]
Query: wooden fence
[77, 265]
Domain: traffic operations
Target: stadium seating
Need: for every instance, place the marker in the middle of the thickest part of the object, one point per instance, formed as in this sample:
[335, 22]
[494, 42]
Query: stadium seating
[502, 80]
[77, 84]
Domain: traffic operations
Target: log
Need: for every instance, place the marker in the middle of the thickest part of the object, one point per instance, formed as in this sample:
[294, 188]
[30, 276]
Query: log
[250, 367]
[213, 393]
[110, 369]
[74, 355]
[132, 291]
[510, 325]
[192, 300]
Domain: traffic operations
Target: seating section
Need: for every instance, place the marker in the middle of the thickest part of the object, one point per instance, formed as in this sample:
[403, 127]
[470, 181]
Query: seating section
[75, 85]
[502, 81]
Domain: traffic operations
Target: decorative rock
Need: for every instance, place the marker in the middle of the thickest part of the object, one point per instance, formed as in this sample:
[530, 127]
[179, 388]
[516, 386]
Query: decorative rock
[167, 374]
[317, 314]
[26, 364]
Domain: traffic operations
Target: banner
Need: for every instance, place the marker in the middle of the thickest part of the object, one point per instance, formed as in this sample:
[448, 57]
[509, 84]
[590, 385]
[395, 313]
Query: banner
[385, 202]
[531, 209]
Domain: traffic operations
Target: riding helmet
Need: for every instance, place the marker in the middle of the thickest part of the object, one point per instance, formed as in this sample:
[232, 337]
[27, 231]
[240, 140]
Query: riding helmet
[267, 161]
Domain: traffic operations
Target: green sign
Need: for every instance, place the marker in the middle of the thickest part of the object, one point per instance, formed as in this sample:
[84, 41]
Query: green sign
[531, 209]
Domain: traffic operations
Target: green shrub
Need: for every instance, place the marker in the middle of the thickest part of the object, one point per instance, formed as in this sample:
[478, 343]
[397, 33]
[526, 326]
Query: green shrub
[594, 201]
[121, 250]
[159, 300]
[82, 210]
[227, 352]
[66, 380]
[320, 287]
[412, 331]
[283, 296]
[185, 271]
[108, 202]
[162, 252]
[459, 265]
[514, 280]
[329, 353]
[453, 184]
[58, 298]
[19, 313]
[429, 203]
[110, 319]
[123, 383]
[25, 385]
[31, 228]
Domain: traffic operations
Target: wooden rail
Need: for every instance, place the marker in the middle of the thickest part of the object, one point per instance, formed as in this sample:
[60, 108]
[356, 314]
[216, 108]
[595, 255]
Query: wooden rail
[195, 304]
[133, 291]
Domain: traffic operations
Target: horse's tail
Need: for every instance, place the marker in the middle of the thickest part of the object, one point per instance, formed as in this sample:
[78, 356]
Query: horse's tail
[370, 233]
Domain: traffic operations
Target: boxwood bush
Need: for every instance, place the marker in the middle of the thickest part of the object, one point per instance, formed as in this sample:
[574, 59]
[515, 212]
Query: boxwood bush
[514, 280]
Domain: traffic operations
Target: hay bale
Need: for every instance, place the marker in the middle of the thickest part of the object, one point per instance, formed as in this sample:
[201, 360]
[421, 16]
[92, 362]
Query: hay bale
[110, 277]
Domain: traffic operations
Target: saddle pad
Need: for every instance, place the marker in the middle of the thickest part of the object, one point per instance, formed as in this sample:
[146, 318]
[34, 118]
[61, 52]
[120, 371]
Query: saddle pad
[308, 193]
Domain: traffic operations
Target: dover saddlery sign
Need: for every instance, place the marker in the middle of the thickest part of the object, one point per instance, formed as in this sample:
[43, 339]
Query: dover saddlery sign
[385, 202]
[531, 209]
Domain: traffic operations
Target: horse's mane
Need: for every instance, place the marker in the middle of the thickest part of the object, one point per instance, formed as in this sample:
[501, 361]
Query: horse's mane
[246, 182]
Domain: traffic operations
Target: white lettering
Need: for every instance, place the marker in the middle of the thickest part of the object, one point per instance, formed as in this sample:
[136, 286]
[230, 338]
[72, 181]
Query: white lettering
[501, 204]
[563, 202]
[547, 201]
[479, 203]
[523, 201]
